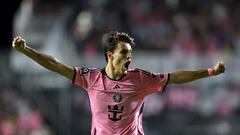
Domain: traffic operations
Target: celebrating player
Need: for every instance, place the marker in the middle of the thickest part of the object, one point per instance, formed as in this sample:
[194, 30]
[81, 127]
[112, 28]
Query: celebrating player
[116, 93]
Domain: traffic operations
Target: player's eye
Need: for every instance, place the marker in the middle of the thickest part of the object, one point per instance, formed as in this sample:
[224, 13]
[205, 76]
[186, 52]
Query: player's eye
[124, 51]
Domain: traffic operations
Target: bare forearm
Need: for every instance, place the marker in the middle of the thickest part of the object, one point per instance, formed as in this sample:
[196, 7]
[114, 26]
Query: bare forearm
[50, 62]
[45, 60]
[180, 77]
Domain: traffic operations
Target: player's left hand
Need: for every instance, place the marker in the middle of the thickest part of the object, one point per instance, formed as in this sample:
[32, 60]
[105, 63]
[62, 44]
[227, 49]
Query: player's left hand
[219, 68]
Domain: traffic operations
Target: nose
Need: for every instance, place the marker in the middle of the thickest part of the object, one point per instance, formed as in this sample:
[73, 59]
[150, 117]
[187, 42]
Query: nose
[129, 56]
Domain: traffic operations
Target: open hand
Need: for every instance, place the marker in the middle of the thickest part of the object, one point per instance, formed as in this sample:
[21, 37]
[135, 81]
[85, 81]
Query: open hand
[219, 68]
[19, 43]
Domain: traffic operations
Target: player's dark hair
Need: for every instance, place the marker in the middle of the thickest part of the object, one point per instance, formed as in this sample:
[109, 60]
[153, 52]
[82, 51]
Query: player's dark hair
[111, 39]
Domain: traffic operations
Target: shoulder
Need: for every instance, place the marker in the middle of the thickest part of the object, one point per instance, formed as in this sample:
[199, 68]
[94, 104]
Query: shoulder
[134, 71]
[137, 70]
[142, 72]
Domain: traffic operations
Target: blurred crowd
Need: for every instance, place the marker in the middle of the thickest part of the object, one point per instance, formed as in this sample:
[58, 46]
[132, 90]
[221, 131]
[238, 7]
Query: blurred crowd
[172, 26]
[19, 116]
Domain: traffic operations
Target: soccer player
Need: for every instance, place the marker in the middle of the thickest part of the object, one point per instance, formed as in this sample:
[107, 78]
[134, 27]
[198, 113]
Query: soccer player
[116, 93]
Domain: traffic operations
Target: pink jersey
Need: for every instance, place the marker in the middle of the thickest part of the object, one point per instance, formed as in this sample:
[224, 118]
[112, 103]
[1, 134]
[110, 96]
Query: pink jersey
[117, 105]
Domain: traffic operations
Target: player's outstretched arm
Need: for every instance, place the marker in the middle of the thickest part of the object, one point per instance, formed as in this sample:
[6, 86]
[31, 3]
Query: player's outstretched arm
[180, 77]
[45, 60]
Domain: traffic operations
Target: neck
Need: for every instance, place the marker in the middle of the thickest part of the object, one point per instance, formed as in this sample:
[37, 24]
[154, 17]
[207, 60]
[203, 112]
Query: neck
[112, 72]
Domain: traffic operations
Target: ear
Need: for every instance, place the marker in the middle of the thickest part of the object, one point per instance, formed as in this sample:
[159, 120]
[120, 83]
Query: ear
[109, 55]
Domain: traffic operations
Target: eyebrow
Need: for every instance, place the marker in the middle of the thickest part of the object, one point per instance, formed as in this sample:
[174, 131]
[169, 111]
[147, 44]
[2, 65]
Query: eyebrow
[124, 49]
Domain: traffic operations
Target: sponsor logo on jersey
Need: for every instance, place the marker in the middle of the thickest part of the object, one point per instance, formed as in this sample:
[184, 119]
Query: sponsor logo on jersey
[117, 97]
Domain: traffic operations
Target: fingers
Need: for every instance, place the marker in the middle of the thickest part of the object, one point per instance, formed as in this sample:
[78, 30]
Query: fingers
[18, 39]
[221, 67]
[19, 43]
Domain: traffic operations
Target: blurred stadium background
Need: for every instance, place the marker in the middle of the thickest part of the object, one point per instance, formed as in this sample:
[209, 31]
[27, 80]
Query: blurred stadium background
[170, 35]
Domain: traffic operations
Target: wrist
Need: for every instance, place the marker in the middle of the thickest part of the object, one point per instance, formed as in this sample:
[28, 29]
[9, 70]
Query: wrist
[23, 49]
[210, 71]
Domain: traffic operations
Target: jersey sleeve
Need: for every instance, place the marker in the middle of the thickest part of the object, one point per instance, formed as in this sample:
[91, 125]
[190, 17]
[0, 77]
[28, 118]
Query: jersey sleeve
[151, 82]
[84, 77]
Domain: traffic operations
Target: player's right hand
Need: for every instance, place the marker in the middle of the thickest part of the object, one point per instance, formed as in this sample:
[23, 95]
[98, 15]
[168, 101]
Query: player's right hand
[19, 43]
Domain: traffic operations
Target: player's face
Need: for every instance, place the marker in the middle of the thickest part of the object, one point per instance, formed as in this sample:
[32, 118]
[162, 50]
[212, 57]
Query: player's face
[121, 57]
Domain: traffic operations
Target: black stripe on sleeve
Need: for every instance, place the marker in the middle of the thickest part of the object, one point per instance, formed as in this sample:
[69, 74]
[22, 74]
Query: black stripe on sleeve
[141, 110]
[95, 131]
[74, 76]
[139, 133]
[166, 82]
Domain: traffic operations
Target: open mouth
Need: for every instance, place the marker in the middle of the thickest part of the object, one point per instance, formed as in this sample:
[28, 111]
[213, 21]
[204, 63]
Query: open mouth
[127, 64]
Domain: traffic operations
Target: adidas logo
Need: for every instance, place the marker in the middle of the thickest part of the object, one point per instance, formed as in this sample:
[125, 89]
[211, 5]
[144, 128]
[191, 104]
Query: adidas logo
[116, 87]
